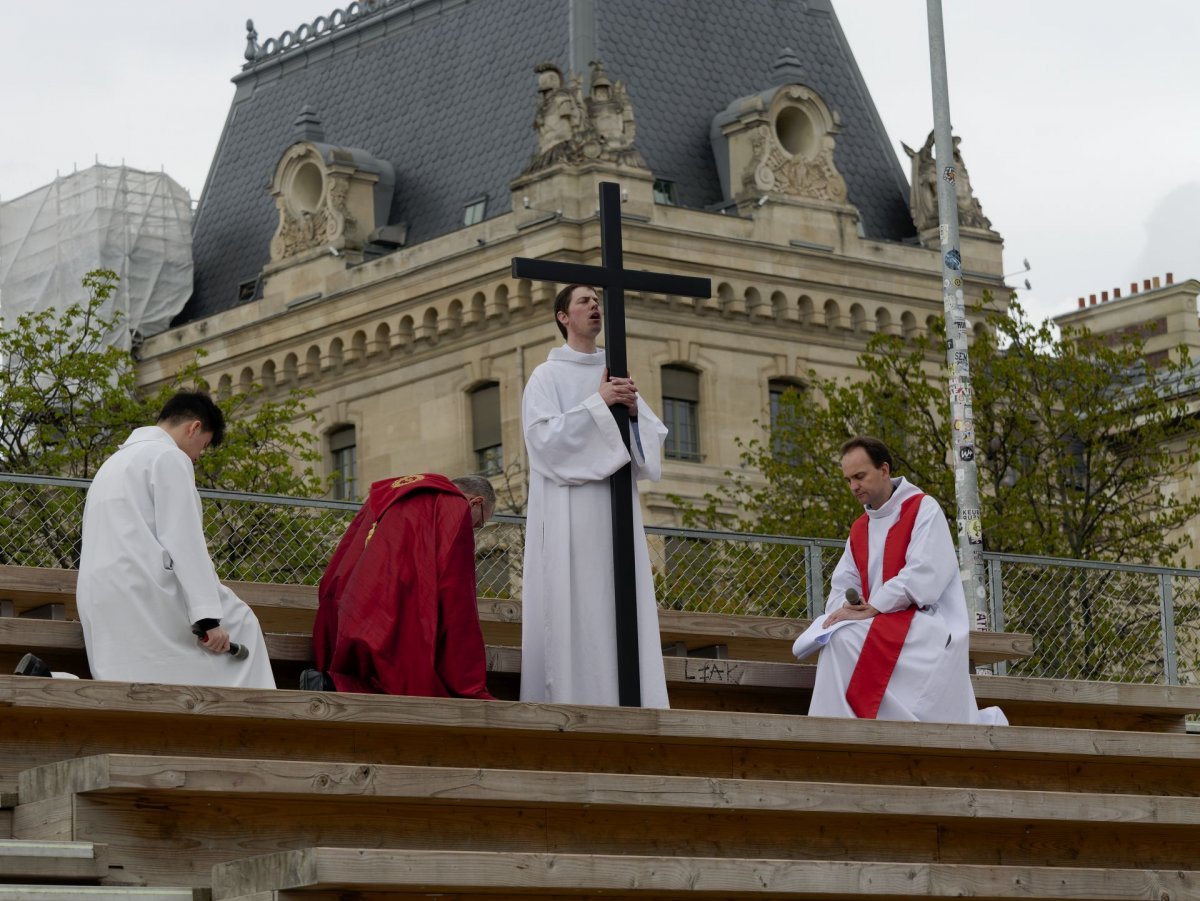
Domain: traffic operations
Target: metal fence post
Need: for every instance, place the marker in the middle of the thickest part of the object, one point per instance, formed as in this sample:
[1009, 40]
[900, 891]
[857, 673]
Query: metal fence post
[996, 590]
[1166, 599]
[816, 581]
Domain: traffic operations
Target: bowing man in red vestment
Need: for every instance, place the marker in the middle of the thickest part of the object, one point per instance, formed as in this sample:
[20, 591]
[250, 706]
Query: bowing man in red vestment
[397, 612]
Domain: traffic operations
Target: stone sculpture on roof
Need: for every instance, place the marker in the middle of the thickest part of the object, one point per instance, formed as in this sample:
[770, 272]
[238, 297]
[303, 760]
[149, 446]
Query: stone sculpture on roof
[923, 190]
[573, 129]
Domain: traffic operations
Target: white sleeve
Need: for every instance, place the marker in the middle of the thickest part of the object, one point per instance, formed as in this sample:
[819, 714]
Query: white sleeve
[570, 447]
[651, 435]
[180, 530]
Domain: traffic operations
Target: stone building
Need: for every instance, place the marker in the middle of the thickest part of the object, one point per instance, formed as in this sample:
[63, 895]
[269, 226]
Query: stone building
[1164, 313]
[380, 168]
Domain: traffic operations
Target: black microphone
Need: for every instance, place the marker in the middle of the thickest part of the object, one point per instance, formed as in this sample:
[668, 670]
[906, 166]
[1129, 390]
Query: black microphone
[853, 598]
[236, 651]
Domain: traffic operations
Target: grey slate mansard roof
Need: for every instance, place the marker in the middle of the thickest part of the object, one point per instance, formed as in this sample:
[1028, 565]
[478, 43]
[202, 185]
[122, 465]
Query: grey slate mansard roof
[445, 90]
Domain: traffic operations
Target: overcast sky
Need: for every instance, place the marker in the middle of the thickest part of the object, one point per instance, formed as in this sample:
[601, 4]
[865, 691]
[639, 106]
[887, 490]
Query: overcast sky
[1079, 119]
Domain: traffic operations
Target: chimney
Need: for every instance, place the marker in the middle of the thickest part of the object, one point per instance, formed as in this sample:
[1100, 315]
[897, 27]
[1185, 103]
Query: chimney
[1133, 287]
[1145, 284]
[1156, 281]
[1116, 293]
[1092, 299]
[1082, 303]
[1103, 297]
[1170, 278]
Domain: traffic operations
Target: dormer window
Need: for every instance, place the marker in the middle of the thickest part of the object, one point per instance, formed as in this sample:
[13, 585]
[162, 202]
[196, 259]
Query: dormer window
[474, 211]
[664, 192]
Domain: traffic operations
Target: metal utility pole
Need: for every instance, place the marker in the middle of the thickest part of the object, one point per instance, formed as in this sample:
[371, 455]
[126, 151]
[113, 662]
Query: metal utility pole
[962, 415]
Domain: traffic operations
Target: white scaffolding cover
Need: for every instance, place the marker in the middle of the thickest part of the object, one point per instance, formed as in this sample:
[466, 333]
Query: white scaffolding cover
[139, 224]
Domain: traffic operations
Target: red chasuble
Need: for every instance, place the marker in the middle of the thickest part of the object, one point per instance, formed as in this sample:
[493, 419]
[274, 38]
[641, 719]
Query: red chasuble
[885, 638]
[397, 611]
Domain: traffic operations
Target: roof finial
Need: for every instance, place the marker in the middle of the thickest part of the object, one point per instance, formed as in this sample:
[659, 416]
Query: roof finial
[787, 69]
[252, 50]
[307, 126]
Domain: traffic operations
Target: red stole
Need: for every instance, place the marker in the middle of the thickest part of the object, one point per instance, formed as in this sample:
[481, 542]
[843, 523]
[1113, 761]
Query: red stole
[886, 636]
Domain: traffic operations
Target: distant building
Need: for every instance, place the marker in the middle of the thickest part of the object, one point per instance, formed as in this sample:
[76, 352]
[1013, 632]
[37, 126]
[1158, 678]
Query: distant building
[378, 172]
[1164, 312]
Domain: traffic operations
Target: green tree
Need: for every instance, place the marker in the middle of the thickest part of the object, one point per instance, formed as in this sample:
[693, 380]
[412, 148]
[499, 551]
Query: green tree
[68, 398]
[1079, 444]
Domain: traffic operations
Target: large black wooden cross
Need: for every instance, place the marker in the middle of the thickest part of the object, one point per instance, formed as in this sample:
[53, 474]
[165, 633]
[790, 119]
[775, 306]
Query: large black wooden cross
[614, 279]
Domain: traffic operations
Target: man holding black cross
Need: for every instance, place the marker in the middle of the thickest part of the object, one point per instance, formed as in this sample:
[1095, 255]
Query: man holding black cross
[568, 645]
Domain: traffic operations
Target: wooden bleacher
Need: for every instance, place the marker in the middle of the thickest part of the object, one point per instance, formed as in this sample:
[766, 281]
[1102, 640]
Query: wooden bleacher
[290, 609]
[756, 671]
[251, 795]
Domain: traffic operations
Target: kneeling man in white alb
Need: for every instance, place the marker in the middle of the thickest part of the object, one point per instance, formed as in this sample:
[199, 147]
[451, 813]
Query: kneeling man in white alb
[899, 650]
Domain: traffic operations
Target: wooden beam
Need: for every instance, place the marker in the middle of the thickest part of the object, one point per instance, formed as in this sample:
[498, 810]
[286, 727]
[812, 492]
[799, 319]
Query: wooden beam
[308, 780]
[669, 877]
[291, 608]
[751, 685]
[84, 699]
[30, 861]
[105, 893]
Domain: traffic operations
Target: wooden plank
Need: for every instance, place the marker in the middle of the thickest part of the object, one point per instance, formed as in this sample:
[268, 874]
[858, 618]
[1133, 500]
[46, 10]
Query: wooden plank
[46, 818]
[291, 608]
[666, 877]
[227, 777]
[168, 838]
[101, 893]
[53, 861]
[38, 635]
[47, 720]
[81, 700]
[704, 683]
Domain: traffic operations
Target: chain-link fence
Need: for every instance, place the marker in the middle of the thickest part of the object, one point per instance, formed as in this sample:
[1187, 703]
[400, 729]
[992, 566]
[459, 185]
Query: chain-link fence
[1089, 620]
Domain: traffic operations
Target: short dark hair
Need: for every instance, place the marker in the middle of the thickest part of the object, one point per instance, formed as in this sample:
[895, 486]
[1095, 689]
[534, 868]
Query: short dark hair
[188, 405]
[876, 450]
[562, 300]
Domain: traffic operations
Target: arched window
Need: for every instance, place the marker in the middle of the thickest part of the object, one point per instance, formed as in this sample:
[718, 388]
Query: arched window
[343, 449]
[485, 429]
[681, 412]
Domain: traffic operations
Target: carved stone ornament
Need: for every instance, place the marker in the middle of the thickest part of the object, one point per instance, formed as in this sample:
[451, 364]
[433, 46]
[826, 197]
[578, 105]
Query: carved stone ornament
[779, 143]
[573, 129]
[923, 200]
[312, 205]
[792, 152]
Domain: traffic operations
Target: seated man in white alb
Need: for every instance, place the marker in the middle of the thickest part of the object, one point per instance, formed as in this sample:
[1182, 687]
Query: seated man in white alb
[902, 654]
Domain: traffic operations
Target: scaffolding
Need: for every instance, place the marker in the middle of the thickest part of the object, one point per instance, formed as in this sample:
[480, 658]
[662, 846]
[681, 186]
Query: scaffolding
[135, 223]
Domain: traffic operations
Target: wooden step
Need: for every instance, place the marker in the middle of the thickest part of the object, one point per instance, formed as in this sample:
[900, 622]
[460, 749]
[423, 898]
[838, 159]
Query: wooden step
[56, 718]
[55, 861]
[291, 608]
[374, 870]
[307, 780]
[703, 683]
[101, 893]
[167, 820]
